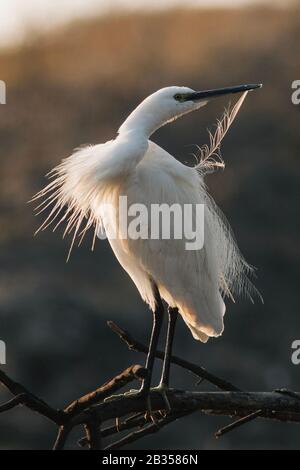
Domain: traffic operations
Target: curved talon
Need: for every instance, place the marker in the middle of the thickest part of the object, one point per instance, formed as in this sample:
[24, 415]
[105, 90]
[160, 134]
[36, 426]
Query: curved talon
[113, 397]
[149, 415]
[133, 393]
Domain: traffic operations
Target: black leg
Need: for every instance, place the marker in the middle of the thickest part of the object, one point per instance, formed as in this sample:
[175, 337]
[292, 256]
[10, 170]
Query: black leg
[172, 317]
[157, 323]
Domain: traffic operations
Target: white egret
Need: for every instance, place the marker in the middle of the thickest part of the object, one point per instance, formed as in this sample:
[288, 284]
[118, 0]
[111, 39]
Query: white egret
[192, 282]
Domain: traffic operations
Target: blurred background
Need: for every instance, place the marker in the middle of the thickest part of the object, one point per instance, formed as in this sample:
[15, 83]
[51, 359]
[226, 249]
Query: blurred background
[74, 70]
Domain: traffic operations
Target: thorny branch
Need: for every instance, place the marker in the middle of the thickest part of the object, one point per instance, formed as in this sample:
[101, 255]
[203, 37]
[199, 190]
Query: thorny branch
[94, 409]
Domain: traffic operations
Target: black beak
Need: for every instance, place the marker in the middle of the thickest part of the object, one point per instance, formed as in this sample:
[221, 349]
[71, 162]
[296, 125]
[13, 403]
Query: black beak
[202, 95]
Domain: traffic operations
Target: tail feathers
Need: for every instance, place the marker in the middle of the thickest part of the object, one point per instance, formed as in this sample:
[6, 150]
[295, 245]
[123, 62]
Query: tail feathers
[204, 332]
[204, 323]
[198, 334]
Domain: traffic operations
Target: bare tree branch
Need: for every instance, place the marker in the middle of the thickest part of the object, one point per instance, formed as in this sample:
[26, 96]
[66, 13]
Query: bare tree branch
[240, 404]
[24, 397]
[137, 420]
[129, 412]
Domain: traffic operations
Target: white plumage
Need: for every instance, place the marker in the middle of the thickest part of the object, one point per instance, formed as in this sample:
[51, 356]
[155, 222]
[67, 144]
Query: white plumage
[132, 165]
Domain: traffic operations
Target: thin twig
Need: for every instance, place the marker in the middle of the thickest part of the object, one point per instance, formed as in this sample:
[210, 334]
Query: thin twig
[238, 423]
[93, 433]
[62, 436]
[19, 399]
[135, 421]
[150, 429]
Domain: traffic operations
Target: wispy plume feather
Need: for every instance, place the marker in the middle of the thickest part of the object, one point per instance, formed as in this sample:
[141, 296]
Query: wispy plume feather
[70, 195]
[209, 156]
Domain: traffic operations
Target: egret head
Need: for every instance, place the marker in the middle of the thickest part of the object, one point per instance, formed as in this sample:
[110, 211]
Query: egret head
[170, 103]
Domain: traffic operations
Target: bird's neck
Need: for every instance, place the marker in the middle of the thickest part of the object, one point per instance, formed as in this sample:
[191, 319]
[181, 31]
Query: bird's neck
[141, 120]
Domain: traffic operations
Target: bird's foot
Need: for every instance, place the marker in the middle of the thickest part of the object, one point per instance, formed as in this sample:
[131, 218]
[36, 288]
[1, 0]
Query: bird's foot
[113, 397]
[133, 393]
[163, 389]
[136, 394]
[150, 415]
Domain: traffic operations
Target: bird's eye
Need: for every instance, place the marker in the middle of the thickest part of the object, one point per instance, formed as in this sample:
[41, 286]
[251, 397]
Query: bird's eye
[178, 97]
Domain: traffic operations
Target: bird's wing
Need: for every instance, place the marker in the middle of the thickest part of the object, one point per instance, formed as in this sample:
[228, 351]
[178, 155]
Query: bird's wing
[187, 279]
